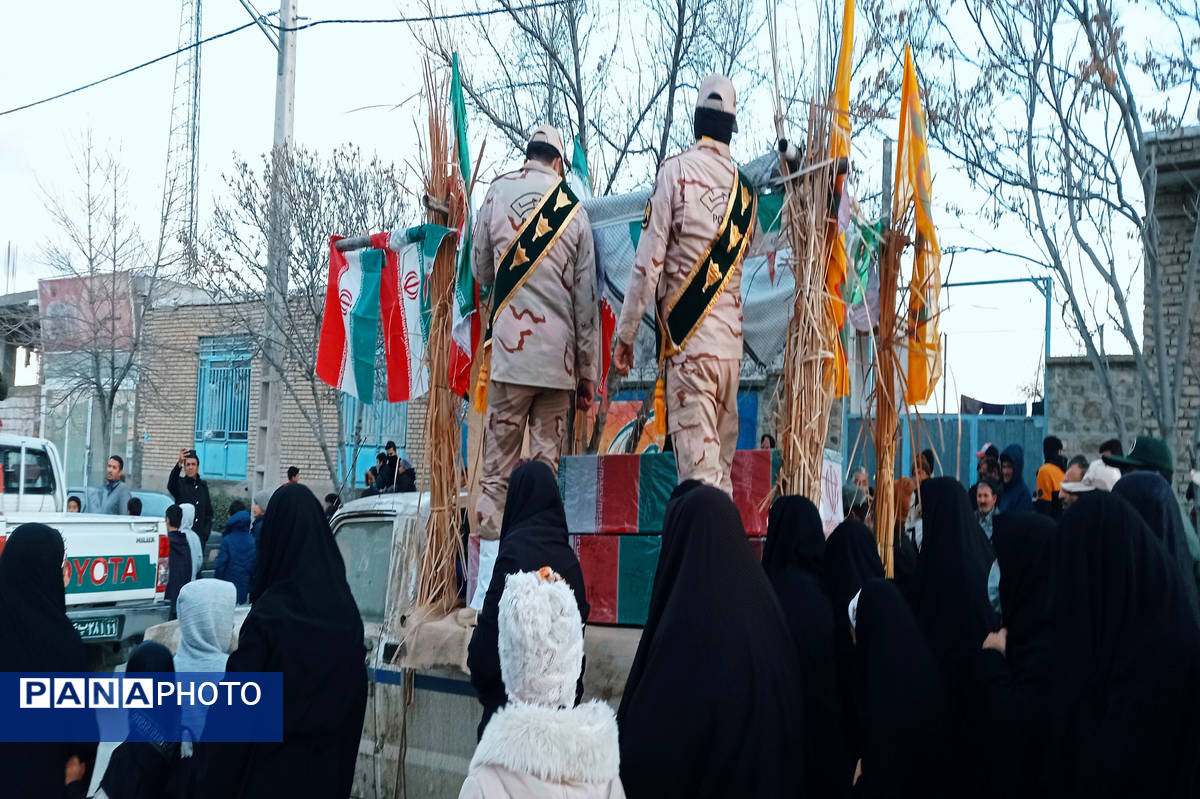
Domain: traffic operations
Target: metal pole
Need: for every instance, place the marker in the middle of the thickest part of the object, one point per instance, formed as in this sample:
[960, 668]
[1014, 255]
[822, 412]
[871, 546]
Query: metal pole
[1048, 289]
[887, 183]
[887, 180]
[267, 464]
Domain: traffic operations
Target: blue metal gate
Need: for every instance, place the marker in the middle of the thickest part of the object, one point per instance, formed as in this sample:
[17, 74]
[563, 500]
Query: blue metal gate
[954, 446]
[223, 407]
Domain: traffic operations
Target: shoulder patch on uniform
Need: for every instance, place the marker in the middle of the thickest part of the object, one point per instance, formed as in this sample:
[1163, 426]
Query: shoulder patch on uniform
[646, 215]
[523, 205]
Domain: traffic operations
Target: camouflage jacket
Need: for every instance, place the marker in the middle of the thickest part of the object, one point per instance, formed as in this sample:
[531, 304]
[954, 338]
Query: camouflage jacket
[685, 210]
[548, 335]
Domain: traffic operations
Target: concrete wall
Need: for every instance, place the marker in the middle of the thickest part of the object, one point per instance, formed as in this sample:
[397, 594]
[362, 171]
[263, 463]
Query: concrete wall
[1079, 409]
[1177, 158]
[21, 412]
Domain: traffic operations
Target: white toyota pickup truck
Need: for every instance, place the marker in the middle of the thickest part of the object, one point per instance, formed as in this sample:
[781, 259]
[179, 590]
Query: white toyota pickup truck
[118, 564]
[118, 572]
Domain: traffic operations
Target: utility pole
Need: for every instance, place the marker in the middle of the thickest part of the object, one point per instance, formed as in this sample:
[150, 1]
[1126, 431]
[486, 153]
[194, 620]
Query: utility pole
[887, 183]
[267, 468]
[886, 215]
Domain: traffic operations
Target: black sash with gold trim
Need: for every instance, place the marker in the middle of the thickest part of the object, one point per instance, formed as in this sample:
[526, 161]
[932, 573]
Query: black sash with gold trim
[536, 237]
[709, 276]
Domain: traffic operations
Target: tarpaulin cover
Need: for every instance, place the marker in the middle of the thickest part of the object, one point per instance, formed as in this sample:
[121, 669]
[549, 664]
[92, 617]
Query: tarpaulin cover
[578, 476]
[618, 574]
[611, 494]
[635, 576]
[618, 493]
[472, 564]
[657, 478]
[753, 475]
[599, 557]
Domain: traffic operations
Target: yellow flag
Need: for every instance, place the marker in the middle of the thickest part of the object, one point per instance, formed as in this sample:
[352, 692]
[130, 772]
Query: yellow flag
[839, 148]
[912, 191]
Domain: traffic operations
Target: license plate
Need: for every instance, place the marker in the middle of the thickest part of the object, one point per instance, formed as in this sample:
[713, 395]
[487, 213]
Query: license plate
[97, 629]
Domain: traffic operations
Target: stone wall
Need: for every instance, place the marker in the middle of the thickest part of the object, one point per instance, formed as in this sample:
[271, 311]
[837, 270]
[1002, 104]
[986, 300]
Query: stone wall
[1177, 158]
[1079, 410]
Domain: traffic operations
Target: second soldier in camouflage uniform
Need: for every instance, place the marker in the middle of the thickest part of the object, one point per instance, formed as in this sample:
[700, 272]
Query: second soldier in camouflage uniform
[545, 340]
[686, 210]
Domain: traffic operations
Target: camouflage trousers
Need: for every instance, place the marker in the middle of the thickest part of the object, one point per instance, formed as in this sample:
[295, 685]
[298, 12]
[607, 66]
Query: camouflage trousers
[510, 408]
[702, 418]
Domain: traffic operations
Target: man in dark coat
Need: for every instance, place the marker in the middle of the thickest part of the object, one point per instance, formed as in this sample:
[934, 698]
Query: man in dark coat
[387, 469]
[235, 561]
[179, 559]
[185, 486]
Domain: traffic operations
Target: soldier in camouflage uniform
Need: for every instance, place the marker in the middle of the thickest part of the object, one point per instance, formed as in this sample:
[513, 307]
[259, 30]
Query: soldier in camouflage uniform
[545, 340]
[686, 210]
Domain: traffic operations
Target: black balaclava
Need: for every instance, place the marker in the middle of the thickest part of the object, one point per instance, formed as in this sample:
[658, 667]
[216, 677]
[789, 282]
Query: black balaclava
[714, 124]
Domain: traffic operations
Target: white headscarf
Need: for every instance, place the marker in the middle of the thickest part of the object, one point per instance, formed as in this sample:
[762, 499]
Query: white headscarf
[185, 527]
[205, 633]
[205, 625]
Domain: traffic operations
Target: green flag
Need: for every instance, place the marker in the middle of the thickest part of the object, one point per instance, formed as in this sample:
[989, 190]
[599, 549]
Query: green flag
[464, 282]
[579, 165]
[865, 247]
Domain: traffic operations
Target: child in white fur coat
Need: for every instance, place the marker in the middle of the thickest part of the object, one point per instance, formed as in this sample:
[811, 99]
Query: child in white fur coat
[539, 744]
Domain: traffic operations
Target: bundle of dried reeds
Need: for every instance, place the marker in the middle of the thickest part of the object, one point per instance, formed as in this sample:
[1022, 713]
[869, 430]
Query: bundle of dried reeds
[806, 388]
[883, 401]
[437, 587]
[888, 395]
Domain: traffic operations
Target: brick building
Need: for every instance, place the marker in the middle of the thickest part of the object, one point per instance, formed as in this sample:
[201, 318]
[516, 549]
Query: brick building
[204, 395]
[1177, 162]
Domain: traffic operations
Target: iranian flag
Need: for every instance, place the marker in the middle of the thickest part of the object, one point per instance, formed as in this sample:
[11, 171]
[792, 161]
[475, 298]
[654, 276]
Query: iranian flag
[400, 308]
[350, 325]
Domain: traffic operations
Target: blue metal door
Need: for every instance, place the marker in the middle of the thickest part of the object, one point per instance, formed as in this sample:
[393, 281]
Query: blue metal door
[223, 407]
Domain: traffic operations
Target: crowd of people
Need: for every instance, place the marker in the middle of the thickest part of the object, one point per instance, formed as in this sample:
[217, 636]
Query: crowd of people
[391, 473]
[1046, 654]
[1026, 641]
[1044, 646]
[302, 622]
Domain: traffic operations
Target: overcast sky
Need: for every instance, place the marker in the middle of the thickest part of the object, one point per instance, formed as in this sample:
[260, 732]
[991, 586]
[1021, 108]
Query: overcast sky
[995, 334]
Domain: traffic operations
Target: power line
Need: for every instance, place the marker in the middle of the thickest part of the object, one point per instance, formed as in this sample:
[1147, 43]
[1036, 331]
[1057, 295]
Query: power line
[433, 18]
[131, 69]
[231, 31]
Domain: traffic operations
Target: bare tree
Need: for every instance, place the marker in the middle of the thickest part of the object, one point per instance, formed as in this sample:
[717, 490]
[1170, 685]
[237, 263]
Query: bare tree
[342, 194]
[611, 74]
[93, 319]
[1051, 107]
